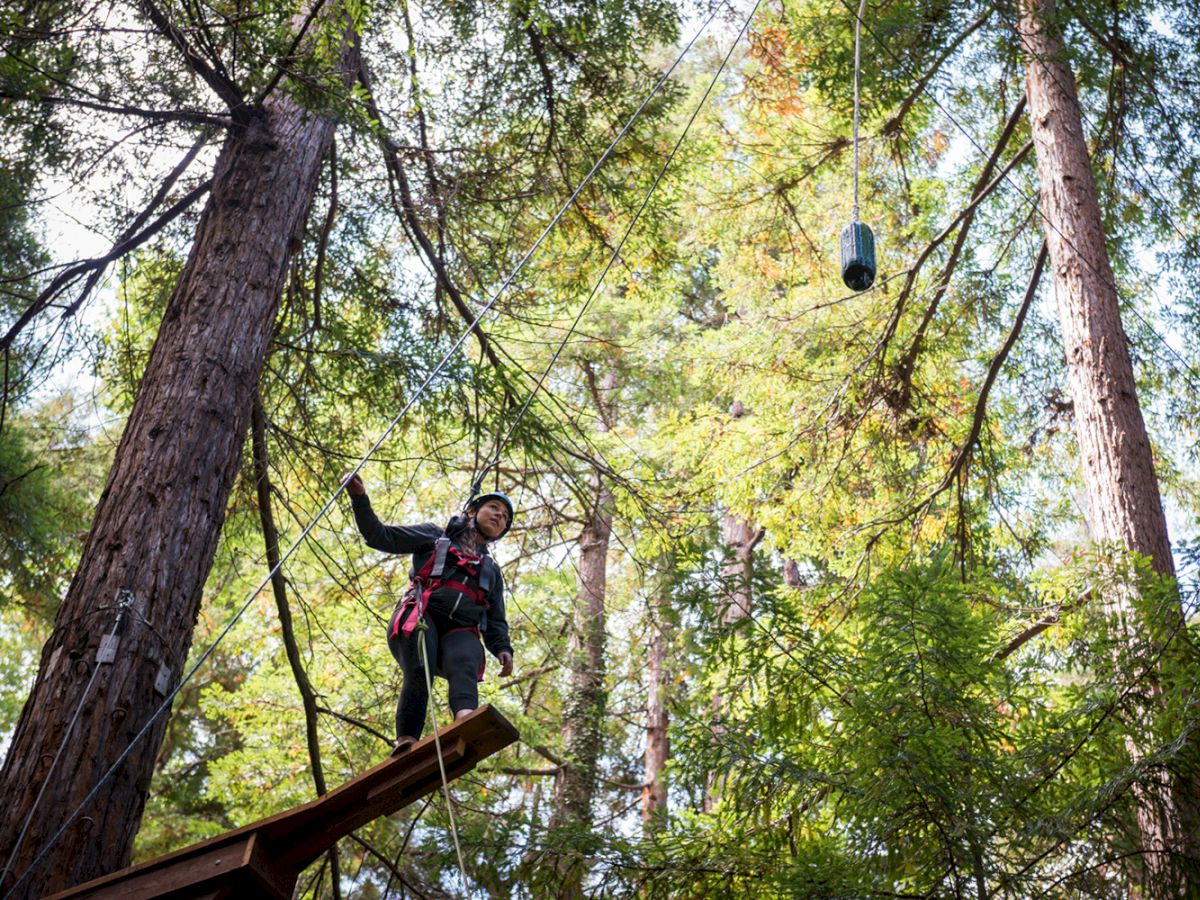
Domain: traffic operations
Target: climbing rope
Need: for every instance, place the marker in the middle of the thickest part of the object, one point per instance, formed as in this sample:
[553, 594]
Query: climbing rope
[862, 8]
[857, 241]
[423, 653]
[165, 706]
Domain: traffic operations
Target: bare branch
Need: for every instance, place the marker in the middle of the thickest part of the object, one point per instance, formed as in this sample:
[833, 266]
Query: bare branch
[281, 70]
[894, 124]
[155, 115]
[323, 244]
[968, 210]
[1047, 621]
[68, 276]
[221, 85]
[981, 183]
[409, 212]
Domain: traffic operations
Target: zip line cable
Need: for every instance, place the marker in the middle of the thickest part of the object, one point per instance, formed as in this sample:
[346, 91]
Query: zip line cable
[437, 370]
[87, 690]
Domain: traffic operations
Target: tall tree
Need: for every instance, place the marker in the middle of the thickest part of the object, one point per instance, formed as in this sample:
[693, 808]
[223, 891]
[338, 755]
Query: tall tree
[155, 530]
[587, 701]
[658, 743]
[1124, 506]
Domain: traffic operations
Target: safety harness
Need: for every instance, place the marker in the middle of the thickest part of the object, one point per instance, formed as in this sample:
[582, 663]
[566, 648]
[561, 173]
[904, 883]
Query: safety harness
[432, 576]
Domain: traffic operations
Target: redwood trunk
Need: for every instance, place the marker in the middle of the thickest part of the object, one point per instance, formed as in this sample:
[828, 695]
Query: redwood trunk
[658, 747]
[583, 718]
[156, 526]
[740, 538]
[1124, 506]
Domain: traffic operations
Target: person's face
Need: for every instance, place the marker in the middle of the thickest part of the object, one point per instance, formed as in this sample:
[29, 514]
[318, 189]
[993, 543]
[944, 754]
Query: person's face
[491, 519]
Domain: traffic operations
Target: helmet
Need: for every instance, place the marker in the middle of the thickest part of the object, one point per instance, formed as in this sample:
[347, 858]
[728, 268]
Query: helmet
[503, 498]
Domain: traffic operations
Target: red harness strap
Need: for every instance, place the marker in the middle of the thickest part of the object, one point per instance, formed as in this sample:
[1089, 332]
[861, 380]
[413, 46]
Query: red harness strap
[429, 579]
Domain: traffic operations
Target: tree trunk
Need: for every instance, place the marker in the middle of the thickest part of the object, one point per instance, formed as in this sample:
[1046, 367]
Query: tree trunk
[1124, 506]
[583, 716]
[740, 537]
[658, 745]
[156, 526]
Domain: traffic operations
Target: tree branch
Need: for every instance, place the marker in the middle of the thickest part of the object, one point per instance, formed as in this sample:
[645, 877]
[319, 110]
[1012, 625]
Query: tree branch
[997, 363]
[894, 124]
[154, 115]
[909, 360]
[308, 697]
[221, 85]
[323, 244]
[906, 290]
[389, 865]
[69, 275]
[1047, 621]
[409, 213]
[281, 69]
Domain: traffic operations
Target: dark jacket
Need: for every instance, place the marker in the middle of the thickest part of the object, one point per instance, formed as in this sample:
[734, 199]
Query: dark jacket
[419, 540]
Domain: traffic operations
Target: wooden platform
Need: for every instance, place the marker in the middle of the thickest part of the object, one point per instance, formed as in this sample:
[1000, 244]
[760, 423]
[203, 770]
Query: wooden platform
[264, 860]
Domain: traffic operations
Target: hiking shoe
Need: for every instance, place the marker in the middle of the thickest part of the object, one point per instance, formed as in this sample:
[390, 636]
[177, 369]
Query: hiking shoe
[403, 745]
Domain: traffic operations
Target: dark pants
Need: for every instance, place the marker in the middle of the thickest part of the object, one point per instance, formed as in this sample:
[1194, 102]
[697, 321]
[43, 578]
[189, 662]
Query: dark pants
[454, 652]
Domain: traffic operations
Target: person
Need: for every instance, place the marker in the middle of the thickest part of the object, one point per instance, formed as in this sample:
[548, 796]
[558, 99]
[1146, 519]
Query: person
[459, 603]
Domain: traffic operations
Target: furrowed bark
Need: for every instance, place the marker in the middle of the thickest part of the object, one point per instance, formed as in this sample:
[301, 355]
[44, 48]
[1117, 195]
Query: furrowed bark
[1124, 506]
[156, 526]
[583, 718]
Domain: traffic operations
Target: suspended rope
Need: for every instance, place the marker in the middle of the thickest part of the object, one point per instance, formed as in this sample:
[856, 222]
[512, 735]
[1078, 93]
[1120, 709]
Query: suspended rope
[424, 386]
[858, 243]
[423, 652]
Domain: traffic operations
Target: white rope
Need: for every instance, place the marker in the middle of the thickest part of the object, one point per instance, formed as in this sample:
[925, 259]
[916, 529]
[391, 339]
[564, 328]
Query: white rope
[422, 627]
[862, 8]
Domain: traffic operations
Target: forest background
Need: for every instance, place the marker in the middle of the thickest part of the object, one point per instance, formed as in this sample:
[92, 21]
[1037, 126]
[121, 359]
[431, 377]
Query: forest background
[807, 587]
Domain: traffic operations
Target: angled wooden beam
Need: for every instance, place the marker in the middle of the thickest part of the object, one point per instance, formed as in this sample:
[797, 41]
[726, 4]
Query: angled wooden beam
[265, 859]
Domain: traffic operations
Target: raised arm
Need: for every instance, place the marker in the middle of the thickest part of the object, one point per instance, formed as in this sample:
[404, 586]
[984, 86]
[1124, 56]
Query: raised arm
[388, 538]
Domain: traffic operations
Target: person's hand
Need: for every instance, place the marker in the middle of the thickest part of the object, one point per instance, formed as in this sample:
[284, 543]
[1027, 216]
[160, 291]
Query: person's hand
[354, 484]
[506, 664]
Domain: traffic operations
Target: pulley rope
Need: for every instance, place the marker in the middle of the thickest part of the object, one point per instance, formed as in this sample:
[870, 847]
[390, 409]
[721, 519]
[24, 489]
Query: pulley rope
[423, 652]
[862, 8]
[477, 485]
[1184, 367]
[166, 703]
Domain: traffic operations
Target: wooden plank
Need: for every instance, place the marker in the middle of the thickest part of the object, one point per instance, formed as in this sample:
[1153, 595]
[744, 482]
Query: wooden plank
[267, 856]
[205, 874]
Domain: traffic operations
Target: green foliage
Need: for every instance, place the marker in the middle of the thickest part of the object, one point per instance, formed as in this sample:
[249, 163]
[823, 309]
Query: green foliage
[931, 694]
